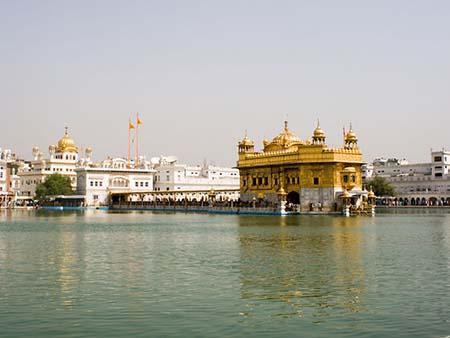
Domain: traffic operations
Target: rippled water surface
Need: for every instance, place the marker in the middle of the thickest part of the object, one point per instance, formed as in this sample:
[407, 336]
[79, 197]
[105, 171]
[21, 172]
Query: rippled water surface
[134, 274]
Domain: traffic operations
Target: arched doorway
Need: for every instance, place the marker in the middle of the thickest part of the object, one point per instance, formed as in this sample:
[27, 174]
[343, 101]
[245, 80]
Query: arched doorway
[293, 197]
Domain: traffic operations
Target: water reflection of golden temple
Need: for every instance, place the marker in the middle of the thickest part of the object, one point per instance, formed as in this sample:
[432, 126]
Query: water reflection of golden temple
[305, 175]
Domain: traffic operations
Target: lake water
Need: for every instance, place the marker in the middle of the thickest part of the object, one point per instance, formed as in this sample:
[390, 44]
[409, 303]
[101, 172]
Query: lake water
[143, 274]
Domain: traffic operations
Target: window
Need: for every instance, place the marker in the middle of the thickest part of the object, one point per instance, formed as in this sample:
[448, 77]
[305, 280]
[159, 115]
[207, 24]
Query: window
[438, 175]
[96, 183]
[259, 180]
[276, 181]
[345, 178]
[142, 184]
[146, 184]
[438, 159]
[254, 181]
[92, 183]
[316, 181]
[167, 188]
[95, 197]
[353, 178]
[266, 180]
[244, 182]
[136, 184]
[101, 183]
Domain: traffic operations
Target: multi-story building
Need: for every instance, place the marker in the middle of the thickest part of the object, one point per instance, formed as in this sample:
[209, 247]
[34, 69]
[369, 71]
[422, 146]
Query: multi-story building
[63, 159]
[307, 173]
[114, 175]
[174, 176]
[419, 183]
[7, 178]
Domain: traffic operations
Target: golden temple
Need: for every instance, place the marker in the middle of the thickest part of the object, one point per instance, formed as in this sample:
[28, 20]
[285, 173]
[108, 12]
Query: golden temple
[304, 175]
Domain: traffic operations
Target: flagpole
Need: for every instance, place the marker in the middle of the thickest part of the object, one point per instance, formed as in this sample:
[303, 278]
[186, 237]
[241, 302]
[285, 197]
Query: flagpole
[129, 136]
[137, 140]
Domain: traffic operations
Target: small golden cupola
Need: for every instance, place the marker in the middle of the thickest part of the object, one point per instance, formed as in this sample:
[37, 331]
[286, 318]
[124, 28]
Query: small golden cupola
[351, 140]
[66, 144]
[246, 145]
[285, 140]
[318, 135]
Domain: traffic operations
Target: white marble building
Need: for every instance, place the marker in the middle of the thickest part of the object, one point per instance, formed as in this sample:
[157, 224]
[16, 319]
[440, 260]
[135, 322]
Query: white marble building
[173, 176]
[95, 182]
[419, 183]
[63, 159]
[9, 178]
[9, 183]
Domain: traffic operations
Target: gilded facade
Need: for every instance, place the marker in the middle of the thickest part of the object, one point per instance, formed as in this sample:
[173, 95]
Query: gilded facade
[306, 174]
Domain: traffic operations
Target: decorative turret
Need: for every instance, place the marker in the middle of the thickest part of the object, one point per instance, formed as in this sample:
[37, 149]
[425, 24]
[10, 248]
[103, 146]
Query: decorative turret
[318, 135]
[88, 153]
[51, 150]
[351, 140]
[246, 145]
[35, 152]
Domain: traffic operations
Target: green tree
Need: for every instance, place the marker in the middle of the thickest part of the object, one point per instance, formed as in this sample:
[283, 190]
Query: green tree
[55, 184]
[381, 187]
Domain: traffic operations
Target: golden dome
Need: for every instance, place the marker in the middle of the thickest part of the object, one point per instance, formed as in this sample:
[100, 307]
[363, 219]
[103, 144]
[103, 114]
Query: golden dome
[66, 144]
[371, 194]
[345, 194]
[246, 141]
[351, 136]
[318, 132]
[284, 140]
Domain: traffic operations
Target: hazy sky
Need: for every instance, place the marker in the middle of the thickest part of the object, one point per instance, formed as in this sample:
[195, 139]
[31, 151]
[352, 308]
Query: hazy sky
[201, 72]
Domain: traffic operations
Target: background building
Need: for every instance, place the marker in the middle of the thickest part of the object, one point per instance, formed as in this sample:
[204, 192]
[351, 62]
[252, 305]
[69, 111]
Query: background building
[63, 159]
[9, 180]
[97, 181]
[415, 184]
[173, 176]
